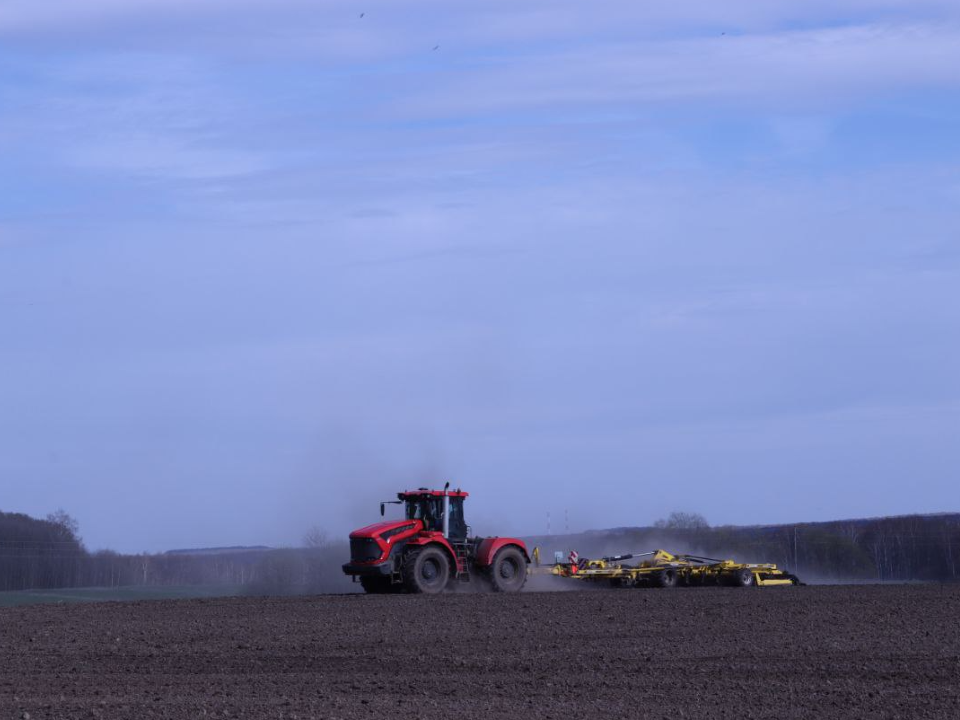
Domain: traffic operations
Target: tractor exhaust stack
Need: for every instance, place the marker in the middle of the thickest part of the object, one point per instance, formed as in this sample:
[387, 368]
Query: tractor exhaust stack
[446, 511]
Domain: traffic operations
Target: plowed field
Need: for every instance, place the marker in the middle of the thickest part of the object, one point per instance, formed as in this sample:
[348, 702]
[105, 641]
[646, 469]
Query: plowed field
[807, 652]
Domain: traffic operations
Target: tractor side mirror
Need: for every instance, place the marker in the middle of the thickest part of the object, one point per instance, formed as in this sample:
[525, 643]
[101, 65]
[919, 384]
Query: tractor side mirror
[383, 509]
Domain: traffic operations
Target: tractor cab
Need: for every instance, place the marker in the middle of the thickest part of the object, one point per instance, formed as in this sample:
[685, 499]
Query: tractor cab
[440, 511]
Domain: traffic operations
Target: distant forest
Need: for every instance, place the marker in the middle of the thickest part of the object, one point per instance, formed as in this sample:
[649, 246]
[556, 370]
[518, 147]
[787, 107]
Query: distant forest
[48, 553]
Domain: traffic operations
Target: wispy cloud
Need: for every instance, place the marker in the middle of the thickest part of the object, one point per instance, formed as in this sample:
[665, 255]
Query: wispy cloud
[785, 71]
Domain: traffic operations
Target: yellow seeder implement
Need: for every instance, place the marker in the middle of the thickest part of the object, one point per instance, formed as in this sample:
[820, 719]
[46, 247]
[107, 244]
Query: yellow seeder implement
[662, 569]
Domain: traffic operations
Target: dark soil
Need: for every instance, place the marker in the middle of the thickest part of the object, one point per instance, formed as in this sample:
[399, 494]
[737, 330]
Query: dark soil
[807, 652]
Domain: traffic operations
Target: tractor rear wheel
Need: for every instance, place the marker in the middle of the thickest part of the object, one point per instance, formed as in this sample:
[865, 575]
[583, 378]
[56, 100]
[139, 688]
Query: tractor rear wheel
[426, 570]
[508, 571]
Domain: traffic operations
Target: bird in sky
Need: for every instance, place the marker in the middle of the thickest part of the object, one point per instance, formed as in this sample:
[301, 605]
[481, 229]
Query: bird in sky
[362, 14]
[436, 47]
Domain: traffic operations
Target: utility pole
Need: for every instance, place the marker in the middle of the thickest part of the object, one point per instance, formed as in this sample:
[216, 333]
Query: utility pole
[796, 560]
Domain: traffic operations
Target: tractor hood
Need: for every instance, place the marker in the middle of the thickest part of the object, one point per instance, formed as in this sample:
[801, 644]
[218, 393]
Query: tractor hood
[378, 529]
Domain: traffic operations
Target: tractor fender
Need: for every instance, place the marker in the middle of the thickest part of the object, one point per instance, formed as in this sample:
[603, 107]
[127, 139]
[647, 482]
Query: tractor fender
[436, 539]
[489, 547]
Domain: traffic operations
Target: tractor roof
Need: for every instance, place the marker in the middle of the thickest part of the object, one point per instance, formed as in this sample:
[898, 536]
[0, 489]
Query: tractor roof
[425, 492]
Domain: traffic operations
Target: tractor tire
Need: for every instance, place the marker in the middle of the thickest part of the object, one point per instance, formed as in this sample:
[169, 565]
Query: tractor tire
[377, 585]
[508, 571]
[741, 578]
[665, 579]
[426, 570]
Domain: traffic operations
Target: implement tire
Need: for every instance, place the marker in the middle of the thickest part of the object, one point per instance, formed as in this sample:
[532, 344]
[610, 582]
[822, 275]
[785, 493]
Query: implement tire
[665, 579]
[508, 571]
[426, 570]
[741, 578]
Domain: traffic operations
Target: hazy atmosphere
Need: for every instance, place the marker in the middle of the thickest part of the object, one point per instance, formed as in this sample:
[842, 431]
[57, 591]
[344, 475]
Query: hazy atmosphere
[264, 264]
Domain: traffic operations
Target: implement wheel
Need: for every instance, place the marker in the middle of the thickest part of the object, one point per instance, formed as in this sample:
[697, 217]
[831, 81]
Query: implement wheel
[741, 578]
[508, 571]
[665, 579]
[426, 570]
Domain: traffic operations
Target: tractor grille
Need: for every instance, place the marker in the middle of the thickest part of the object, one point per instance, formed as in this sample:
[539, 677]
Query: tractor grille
[364, 550]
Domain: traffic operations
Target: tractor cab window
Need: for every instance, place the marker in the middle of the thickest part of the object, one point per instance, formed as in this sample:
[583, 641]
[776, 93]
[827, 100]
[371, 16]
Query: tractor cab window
[427, 509]
[458, 525]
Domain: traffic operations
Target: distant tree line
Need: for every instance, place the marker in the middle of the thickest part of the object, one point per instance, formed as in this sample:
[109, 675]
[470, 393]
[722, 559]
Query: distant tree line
[49, 553]
[898, 549]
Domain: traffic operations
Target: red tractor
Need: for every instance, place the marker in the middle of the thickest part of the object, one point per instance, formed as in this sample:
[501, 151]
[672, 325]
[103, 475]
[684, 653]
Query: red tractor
[429, 551]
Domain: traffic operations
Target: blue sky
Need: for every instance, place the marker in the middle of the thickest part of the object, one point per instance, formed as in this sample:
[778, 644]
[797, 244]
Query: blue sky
[263, 264]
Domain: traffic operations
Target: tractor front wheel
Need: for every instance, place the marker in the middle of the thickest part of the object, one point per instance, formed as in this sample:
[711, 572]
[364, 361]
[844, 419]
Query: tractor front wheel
[426, 570]
[508, 571]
